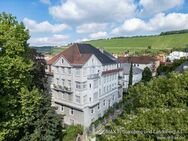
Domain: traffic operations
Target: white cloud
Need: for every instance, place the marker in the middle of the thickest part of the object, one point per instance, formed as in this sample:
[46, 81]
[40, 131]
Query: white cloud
[160, 22]
[98, 35]
[93, 10]
[82, 40]
[55, 40]
[156, 6]
[45, 1]
[91, 27]
[44, 26]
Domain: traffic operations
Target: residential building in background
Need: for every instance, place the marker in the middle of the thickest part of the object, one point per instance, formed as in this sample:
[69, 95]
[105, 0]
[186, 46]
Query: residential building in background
[142, 62]
[175, 55]
[137, 75]
[85, 82]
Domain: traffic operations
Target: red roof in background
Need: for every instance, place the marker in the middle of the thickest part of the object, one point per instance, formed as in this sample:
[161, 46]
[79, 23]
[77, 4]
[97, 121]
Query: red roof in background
[137, 59]
[72, 55]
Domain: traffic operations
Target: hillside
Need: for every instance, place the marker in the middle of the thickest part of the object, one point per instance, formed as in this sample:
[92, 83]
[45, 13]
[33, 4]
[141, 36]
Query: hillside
[140, 44]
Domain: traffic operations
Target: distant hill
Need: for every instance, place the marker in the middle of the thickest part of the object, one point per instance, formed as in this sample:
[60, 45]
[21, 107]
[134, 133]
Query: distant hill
[43, 49]
[174, 32]
[144, 44]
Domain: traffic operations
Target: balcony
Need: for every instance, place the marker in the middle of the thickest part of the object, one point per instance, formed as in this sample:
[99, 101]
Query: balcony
[93, 76]
[61, 88]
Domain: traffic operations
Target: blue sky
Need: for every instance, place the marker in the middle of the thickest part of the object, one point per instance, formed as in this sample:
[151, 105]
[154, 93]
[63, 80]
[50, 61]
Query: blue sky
[58, 22]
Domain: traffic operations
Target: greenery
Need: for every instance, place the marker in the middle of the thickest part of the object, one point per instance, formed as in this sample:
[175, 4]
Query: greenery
[131, 75]
[154, 110]
[25, 109]
[143, 44]
[165, 69]
[174, 32]
[72, 132]
[146, 74]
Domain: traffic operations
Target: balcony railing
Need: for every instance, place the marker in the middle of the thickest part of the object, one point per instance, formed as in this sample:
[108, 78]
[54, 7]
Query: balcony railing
[62, 88]
[93, 76]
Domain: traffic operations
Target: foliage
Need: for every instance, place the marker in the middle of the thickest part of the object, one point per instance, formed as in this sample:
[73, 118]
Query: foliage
[165, 69]
[174, 32]
[154, 110]
[131, 75]
[146, 74]
[25, 110]
[72, 131]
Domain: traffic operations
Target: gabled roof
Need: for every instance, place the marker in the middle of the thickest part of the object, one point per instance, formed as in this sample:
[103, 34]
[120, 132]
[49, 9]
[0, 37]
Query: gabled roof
[137, 59]
[78, 54]
[126, 69]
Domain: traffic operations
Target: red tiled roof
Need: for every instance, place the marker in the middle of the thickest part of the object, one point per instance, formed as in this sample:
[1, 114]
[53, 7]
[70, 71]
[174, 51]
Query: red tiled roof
[111, 71]
[72, 55]
[137, 59]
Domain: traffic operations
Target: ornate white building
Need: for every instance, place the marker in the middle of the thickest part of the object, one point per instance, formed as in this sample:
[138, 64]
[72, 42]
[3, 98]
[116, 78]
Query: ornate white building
[85, 83]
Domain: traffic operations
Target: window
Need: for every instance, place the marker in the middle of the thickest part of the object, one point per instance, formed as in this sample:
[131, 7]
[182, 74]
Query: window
[81, 85]
[77, 99]
[92, 111]
[78, 71]
[63, 69]
[78, 85]
[71, 111]
[63, 82]
[62, 108]
[69, 70]
[98, 106]
[90, 99]
[84, 85]
[62, 61]
[104, 102]
[85, 98]
[69, 83]
[90, 85]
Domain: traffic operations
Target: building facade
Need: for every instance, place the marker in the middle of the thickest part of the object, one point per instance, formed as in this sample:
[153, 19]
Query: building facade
[176, 55]
[142, 62]
[137, 75]
[85, 83]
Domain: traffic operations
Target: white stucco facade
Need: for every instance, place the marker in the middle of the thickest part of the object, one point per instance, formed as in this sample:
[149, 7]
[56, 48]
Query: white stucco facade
[84, 93]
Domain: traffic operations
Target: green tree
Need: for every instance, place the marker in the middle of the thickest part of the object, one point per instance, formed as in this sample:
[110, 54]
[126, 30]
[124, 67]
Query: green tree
[131, 74]
[25, 111]
[153, 110]
[146, 74]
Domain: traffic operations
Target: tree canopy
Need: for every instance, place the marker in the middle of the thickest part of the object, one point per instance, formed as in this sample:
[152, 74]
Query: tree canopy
[146, 74]
[25, 110]
[153, 111]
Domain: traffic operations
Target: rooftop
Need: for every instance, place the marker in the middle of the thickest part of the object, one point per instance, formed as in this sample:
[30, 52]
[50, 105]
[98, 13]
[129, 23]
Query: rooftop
[137, 59]
[78, 54]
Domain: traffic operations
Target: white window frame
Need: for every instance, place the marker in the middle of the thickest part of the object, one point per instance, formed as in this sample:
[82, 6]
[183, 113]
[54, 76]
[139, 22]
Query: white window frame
[62, 108]
[77, 99]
